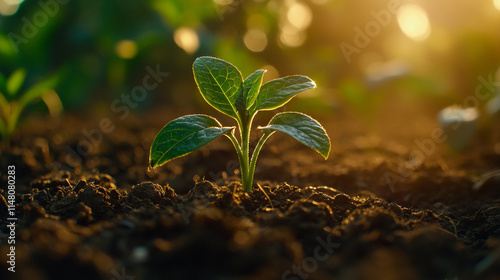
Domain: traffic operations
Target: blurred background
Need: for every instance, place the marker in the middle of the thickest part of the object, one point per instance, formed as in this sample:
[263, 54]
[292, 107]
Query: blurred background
[362, 54]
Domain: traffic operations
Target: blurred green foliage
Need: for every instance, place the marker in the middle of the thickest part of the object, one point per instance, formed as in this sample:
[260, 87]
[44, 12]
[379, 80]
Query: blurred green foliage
[13, 102]
[101, 48]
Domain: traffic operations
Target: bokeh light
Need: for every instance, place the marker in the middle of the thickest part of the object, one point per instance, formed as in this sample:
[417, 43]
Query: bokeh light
[187, 39]
[299, 15]
[9, 7]
[496, 3]
[296, 17]
[126, 49]
[292, 37]
[414, 22]
[255, 40]
[381, 36]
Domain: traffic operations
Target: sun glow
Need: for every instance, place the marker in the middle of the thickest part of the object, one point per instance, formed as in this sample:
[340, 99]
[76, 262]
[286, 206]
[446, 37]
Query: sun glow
[299, 15]
[9, 7]
[255, 40]
[187, 39]
[414, 22]
[296, 18]
[126, 49]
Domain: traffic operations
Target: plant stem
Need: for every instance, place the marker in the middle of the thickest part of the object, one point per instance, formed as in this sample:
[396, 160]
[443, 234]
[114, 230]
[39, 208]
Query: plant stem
[247, 166]
[255, 154]
[243, 152]
[245, 128]
[238, 150]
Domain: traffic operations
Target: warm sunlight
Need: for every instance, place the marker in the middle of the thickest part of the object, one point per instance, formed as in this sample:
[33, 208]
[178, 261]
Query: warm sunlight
[292, 37]
[9, 7]
[299, 15]
[249, 139]
[255, 40]
[414, 22]
[187, 39]
[294, 22]
[496, 3]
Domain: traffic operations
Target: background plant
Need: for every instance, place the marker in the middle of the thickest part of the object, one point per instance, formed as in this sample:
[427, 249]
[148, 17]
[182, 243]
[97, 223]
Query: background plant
[222, 86]
[105, 46]
[12, 103]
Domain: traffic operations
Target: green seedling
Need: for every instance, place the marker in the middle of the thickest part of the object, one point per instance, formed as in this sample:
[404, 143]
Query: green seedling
[222, 86]
[12, 104]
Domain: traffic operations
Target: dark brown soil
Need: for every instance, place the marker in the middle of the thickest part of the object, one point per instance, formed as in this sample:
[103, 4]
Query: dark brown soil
[110, 218]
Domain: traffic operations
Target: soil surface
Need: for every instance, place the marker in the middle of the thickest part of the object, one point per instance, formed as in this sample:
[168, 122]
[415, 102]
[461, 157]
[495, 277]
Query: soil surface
[389, 203]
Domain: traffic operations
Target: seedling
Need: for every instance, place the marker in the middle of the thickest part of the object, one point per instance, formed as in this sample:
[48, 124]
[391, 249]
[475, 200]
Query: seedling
[12, 105]
[222, 86]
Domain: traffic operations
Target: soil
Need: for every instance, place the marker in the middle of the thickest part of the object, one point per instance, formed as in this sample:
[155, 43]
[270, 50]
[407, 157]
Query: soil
[109, 218]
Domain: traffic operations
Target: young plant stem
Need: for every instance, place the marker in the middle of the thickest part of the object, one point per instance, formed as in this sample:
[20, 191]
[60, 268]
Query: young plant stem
[236, 146]
[245, 128]
[247, 165]
[242, 152]
[255, 155]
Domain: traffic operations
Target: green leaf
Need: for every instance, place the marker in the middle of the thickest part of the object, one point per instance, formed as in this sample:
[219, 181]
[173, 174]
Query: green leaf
[252, 86]
[38, 90]
[220, 83]
[277, 93]
[182, 136]
[35, 92]
[302, 128]
[15, 81]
